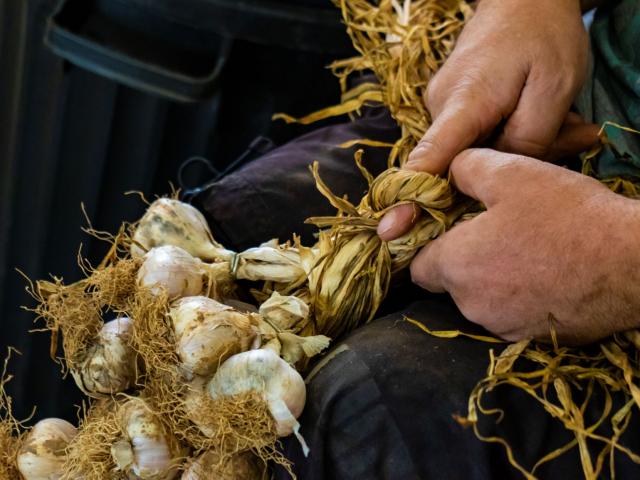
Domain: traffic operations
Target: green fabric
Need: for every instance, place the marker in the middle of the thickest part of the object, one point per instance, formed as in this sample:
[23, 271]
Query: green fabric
[612, 92]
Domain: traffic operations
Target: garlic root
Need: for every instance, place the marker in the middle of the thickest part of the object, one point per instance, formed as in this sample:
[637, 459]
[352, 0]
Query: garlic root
[242, 466]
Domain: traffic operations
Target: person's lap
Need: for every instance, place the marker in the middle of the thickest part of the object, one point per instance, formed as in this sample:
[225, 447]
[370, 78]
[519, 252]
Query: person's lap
[381, 403]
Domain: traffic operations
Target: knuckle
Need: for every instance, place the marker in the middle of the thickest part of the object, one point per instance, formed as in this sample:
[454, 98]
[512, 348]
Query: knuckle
[434, 92]
[514, 143]
[419, 275]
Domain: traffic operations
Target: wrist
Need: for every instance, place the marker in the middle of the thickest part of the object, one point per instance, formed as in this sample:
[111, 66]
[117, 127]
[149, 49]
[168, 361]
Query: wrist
[629, 236]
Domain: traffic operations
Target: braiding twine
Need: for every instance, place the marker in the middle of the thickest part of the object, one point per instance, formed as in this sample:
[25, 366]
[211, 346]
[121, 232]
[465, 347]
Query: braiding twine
[404, 44]
[354, 268]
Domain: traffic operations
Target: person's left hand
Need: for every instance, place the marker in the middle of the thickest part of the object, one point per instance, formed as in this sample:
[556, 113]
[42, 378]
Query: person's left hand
[552, 244]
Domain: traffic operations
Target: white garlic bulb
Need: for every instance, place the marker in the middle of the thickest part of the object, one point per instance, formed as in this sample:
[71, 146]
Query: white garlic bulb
[242, 466]
[146, 451]
[274, 380]
[208, 332]
[171, 222]
[270, 262]
[285, 312]
[109, 365]
[173, 270]
[192, 404]
[42, 455]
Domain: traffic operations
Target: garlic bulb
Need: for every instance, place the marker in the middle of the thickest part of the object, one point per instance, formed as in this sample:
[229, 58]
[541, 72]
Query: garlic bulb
[192, 404]
[243, 466]
[109, 365]
[270, 262]
[285, 312]
[174, 270]
[208, 332]
[171, 222]
[273, 379]
[42, 455]
[146, 451]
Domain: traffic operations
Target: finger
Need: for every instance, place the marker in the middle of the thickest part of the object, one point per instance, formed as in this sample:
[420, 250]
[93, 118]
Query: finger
[573, 139]
[461, 123]
[397, 222]
[426, 267]
[487, 175]
[536, 120]
[438, 265]
[572, 118]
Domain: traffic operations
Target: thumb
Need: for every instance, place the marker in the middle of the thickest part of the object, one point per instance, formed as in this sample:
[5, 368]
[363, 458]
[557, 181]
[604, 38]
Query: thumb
[454, 130]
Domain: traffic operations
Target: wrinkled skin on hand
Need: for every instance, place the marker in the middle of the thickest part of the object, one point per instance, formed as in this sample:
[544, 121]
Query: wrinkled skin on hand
[551, 241]
[508, 84]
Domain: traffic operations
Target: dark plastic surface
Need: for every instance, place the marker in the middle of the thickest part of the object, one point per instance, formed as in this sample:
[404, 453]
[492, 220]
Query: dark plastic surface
[134, 44]
[178, 48]
[304, 25]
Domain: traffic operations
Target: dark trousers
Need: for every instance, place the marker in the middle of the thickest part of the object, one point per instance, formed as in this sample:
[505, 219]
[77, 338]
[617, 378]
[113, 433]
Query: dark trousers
[380, 405]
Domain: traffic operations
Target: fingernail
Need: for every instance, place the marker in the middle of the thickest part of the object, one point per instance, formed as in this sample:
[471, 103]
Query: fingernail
[387, 222]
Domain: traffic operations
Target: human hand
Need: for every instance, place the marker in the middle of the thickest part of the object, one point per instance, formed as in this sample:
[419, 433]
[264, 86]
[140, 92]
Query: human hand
[552, 241]
[509, 83]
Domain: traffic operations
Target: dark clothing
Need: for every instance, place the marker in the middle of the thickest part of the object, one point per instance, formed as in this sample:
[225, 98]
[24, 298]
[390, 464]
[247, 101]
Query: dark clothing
[383, 408]
[380, 405]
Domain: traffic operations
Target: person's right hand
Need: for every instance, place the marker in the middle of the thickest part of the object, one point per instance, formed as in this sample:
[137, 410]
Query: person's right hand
[509, 84]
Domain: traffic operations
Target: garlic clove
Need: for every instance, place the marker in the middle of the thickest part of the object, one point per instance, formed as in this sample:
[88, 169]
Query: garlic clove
[243, 466]
[171, 222]
[208, 332]
[42, 455]
[109, 365]
[295, 348]
[173, 270]
[146, 451]
[286, 312]
[265, 373]
[279, 264]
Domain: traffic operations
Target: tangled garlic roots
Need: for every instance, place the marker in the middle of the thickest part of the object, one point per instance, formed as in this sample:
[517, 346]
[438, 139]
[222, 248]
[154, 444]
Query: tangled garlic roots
[243, 466]
[236, 424]
[89, 453]
[153, 338]
[75, 310]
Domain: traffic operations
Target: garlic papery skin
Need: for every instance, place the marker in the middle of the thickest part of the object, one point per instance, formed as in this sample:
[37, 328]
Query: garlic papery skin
[42, 455]
[208, 332]
[242, 466]
[192, 402]
[146, 451]
[109, 365]
[173, 270]
[285, 312]
[172, 222]
[266, 374]
[270, 262]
